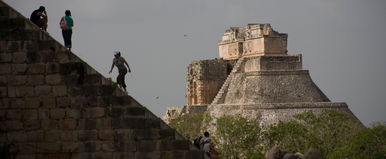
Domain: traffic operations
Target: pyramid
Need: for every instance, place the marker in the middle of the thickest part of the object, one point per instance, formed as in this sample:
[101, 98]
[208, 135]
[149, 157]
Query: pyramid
[254, 77]
[54, 105]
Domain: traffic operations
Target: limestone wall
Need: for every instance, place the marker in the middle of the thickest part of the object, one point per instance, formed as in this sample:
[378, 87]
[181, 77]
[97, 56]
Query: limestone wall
[270, 113]
[204, 79]
[53, 105]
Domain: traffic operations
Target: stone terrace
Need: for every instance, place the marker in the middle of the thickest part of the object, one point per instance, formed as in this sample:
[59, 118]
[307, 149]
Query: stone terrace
[54, 105]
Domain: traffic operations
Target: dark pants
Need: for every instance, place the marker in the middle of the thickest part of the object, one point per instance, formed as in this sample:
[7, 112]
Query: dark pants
[67, 37]
[121, 78]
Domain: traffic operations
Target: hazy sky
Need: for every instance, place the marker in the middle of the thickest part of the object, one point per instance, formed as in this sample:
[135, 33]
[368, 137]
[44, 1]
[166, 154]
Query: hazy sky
[342, 42]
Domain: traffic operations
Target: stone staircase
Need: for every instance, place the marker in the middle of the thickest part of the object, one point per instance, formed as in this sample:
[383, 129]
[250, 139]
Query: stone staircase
[220, 95]
[54, 105]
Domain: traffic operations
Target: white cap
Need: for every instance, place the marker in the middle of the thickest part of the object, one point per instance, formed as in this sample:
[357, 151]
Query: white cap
[116, 52]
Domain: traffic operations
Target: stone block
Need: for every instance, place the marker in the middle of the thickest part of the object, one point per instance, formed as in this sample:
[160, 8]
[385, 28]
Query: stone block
[43, 114]
[87, 135]
[73, 113]
[5, 69]
[26, 156]
[59, 90]
[47, 102]
[102, 155]
[34, 80]
[5, 57]
[167, 133]
[3, 92]
[153, 123]
[13, 46]
[17, 80]
[32, 125]
[52, 68]
[58, 156]
[19, 57]
[14, 114]
[63, 102]
[124, 155]
[68, 124]
[90, 147]
[180, 144]
[148, 146]
[72, 146]
[68, 135]
[32, 102]
[43, 90]
[131, 123]
[57, 113]
[106, 134]
[17, 103]
[63, 57]
[53, 79]
[49, 147]
[116, 112]
[95, 112]
[142, 155]
[3, 81]
[34, 136]
[135, 111]
[103, 123]
[107, 146]
[27, 148]
[52, 135]
[15, 137]
[19, 68]
[37, 68]
[83, 155]
[50, 124]
[4, 103]
[30, 114]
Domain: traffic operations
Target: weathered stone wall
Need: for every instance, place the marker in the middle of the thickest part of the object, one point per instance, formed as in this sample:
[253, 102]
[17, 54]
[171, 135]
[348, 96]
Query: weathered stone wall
[270, 113]
[252, 40]
[53, 105]
[204, 79]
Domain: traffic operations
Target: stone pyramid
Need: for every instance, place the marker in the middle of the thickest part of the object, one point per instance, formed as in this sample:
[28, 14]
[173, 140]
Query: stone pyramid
[254, 77]
[53, 105]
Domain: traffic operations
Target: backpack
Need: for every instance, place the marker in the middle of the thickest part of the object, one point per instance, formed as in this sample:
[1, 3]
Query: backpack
[196, 142]
[63, 24]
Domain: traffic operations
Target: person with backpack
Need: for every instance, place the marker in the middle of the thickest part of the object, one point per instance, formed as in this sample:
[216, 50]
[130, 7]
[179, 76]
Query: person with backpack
[196, 141]
[205, 143]
[39, 18]
[66, 24]
[120, 62]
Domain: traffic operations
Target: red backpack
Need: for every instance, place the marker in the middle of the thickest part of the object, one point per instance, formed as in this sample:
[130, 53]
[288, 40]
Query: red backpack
[63, 24]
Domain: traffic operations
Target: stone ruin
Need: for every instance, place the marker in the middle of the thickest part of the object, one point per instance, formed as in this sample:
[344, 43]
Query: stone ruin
[53, 105]
[254, 77]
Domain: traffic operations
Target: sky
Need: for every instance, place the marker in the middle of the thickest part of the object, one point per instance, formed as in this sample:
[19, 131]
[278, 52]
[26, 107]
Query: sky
[342, 42]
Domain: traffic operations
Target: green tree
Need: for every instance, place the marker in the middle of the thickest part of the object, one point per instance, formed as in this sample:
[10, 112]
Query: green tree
[369, 143]
[188, 125]
[237, 137]
[323, 131]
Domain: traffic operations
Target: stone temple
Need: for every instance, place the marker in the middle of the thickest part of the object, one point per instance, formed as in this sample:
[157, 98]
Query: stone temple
[53, 105]
[254, 77]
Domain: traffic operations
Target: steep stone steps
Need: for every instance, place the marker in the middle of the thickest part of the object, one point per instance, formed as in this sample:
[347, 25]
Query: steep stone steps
[54, 105]
[219, 97]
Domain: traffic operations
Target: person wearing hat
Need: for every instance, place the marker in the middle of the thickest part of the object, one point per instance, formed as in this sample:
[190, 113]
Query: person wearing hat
[120, 62]
[39, 17]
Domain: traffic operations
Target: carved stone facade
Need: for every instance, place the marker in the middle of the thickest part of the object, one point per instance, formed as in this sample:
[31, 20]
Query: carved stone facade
[252, 40]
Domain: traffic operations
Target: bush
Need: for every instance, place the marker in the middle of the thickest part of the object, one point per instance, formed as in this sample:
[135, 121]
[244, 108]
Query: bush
[237, 137]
